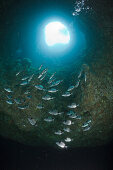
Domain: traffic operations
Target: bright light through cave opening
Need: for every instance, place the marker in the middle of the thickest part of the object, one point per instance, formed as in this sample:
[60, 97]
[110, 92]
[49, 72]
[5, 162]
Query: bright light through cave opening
[56, 33]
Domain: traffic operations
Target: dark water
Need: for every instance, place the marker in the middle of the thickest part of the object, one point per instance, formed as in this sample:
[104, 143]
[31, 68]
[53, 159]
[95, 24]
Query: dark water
[15, 156]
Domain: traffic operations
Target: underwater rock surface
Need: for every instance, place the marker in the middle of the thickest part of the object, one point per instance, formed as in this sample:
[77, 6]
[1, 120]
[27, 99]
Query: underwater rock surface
[39, 108]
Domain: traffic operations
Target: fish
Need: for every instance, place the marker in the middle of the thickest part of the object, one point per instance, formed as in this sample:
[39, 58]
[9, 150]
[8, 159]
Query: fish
[32, 121]
[55, 112]
[9, 101]
[85, 78]
[52, 90]
[73, 116]
[22, 107]
[70, 88]
[8, 90]
[17, 101]
[68, 139]
[43, 77]
[43, 72]
[29, 97]
[61, 144]
[24, 83]
[70, 113]
[27, 92]
[9, 96]
[56, 83]
[77, 84]
[17, 73]
[52, 76]
[80, 74]
[67, 129]
[73, 105]
[49, 119]
[39, 87]
[86, 128]
[39, 106]
[47, 97]
[86, 123]
[40, 67]
[50, 81]
[68, 122]
[30, 78]
[79, 117]
[59, 132]
[66, 94]
[25, 78]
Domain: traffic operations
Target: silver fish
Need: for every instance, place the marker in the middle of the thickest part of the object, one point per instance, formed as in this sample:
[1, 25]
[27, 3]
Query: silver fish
[73, 116]
[56, 83]
[67, 129]
[9, 96]
[55, 112]
[39, 106]
[8, 90]
[86, 123]
[52, 90]
[68, 122]
[70, 88]
[80, 73]
[30, 78]
[68, 139]
[43, 77]
[27, 92]
[77, 84]
[52, 76]
[79, 117]
[66, 94]
[47, 97]
[40, 67]
[70, 113]
[24, 78]
[43, 72]
[9, 101]
[22, 107]
[86, 128]
[17, 101]
[50, 81]
[59, 132]
[61, 144]
[17, 73]
[24, 83]
[73, 105]
[32, 121]
[49, 119]
[39, 87]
